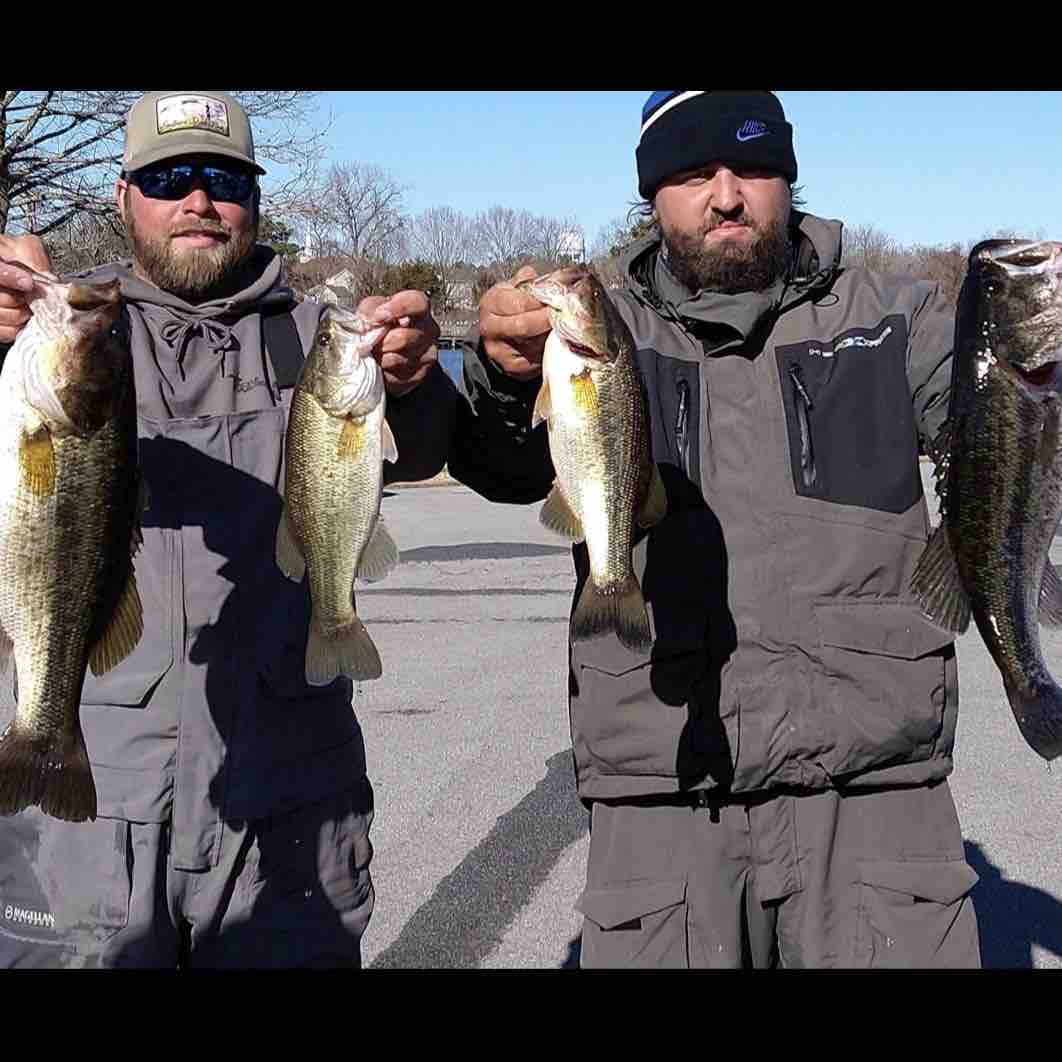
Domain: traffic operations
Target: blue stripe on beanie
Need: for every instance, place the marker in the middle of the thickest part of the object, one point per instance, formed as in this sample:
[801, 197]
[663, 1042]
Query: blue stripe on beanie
[685, 130]
[659, 103]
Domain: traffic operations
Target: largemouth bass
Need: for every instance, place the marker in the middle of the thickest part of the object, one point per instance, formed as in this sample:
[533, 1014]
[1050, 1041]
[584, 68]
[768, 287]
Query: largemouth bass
[593, 402]
[999, 476]
[69, 523]
[337, 441]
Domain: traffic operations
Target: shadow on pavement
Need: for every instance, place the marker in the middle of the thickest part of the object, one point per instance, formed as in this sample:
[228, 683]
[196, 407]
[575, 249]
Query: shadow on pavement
[1012, 917]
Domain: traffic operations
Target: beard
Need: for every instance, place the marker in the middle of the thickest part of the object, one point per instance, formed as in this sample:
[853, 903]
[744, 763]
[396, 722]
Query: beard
[730, 267]
[201, 273]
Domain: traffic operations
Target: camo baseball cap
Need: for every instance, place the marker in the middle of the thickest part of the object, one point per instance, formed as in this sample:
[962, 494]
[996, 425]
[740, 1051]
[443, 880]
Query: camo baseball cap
[161, 125]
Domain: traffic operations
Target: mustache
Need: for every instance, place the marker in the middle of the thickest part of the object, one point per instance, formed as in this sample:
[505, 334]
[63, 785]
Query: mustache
[718, 219]
[202, 228]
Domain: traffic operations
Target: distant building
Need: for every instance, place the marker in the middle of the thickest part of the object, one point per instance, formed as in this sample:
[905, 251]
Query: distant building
[572, 245]
[331, 294]
[343, 279]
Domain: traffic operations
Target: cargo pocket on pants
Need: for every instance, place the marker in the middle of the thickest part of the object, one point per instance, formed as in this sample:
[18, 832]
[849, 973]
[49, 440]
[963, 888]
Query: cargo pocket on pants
[916, 914]
[71, 896]
[636, 925]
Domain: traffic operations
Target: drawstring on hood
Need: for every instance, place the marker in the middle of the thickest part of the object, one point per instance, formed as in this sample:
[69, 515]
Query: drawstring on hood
[199, 348]
[178, 333]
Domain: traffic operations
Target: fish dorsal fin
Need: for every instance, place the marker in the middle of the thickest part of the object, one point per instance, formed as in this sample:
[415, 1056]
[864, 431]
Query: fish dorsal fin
[557, 515]
[36, 458]
[390, 447]
[543, 405]
[288, 555]
[937, 586]
[1051, 597]
[654, 508]
[122, 633]
[380, 554]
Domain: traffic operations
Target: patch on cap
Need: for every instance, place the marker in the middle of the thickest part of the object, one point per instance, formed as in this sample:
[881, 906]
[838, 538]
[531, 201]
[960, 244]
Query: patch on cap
[191, 112]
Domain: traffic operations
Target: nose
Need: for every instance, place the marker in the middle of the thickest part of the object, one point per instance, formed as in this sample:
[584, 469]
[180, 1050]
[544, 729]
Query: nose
[725, 188]
[197, 201]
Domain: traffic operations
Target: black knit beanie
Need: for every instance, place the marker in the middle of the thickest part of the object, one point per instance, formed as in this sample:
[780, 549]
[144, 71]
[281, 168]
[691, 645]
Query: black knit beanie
[686, 130]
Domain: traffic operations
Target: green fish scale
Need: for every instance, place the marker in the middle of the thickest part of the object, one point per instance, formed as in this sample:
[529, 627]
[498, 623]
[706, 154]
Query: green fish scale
[610, 448]
[1003, 502]
[60, 558]
[332, 502]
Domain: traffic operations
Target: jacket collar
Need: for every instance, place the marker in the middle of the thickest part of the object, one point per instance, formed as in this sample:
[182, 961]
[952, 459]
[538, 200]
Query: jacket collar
[722, 321]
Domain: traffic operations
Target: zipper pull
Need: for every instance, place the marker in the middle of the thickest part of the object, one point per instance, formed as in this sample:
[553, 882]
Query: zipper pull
[794, 375]
[804, 405]
[681, 424]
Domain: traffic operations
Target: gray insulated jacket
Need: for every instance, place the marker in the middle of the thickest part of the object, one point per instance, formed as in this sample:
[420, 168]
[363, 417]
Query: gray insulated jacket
[788, 650]
[210, 717]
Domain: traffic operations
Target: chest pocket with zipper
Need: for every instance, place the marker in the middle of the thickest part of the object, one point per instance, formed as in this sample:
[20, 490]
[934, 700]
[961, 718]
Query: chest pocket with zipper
[849, 418]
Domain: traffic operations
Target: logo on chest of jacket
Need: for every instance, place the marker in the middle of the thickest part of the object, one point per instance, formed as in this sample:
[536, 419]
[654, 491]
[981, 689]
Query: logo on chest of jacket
[852, 341]
[243, 386]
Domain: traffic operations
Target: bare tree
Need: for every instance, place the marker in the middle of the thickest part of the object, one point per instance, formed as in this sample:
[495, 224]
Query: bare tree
[944, 265]
[609, 237]
[60, 151]
[356, 214]
[445, 238]
[866, 246]
[83, 241]
[559, 240]
[507, 237]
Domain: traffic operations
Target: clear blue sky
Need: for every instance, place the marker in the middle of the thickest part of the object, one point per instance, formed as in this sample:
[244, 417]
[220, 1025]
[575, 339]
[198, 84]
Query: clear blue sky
[924, 167]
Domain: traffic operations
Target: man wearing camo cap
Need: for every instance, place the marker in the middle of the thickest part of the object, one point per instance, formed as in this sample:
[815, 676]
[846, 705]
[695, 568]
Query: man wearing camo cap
[233, 802]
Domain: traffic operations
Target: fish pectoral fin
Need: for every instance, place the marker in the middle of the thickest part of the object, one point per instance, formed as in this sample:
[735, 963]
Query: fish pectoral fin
[351, 438]
[557, 515]
[938, 587]
[1051, 597]
[288, 555]
[379, 556]
[36, 458]
[390, 447]
[122, 633]
[543, 405]
[654, 508]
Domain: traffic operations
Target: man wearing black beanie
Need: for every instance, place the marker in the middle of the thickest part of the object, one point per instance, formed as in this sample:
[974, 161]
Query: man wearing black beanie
[767, 783]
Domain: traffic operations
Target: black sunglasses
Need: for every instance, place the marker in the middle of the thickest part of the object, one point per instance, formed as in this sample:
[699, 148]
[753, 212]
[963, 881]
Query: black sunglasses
[175, 181]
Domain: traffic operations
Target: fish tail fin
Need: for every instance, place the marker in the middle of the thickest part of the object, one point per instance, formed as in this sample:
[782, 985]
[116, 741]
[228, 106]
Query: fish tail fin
[1038, 712]
[53, 772]
[348, 651]
[938, 587]
[620, 610]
